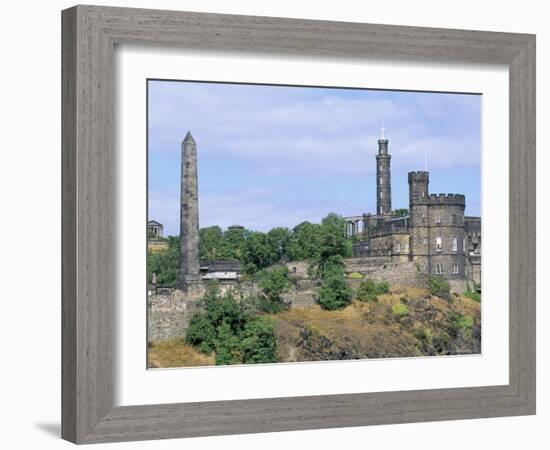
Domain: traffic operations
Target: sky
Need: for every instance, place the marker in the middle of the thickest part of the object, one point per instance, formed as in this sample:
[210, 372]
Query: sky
[273, 156]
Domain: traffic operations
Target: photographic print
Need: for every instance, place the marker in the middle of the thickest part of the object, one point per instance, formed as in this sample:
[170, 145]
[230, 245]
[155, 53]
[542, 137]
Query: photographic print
[295, 223]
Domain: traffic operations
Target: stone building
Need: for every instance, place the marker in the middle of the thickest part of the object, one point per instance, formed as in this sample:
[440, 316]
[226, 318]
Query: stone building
[435, 234]
[221, 270]
[155, 229]
[155, 238]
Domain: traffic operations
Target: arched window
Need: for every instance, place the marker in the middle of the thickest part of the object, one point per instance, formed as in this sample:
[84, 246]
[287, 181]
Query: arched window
[455, 244]
[397, 247]
[438, 247]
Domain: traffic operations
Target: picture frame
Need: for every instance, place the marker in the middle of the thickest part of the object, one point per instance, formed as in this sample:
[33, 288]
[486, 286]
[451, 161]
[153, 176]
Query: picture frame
[89, 37]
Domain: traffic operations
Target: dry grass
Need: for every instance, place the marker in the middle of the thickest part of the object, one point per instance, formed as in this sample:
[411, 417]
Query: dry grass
[369, 329]
[362, 330]
[176, 354]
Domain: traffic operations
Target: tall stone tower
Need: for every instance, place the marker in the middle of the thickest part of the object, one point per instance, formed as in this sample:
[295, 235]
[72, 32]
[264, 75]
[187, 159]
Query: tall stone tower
[383, 177]
[189, 213]
[419, 220]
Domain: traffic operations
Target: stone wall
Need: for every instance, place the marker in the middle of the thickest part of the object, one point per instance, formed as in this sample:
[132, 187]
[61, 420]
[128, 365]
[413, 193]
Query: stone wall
[386, 269]
[169, 313]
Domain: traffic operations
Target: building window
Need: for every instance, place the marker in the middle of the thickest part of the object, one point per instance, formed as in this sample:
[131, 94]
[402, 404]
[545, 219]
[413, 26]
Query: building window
[454, 219]
[455, 244]
[455, 268]
[424, 241]
[397, 247]
[381, 194]
[423, 217]
[422, 194]
[439, 269]
[438, 247]
[464, 245]
[381, 180]
[437, 218]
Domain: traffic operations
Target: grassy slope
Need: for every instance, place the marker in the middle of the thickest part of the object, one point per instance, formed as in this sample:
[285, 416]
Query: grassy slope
[375, 330]
[362, 330]
[176, 354]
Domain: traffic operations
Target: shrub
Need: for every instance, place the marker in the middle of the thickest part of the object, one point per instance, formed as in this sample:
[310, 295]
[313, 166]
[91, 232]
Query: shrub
[382, 288]
[227, 346]
[424, 334]
[231, 329]
[399, 309]
[475, 296]
[369, 290]
[273, 282]
[259, 344]
[201, 333]
[459, 322]
[333, 292]
[440, 287]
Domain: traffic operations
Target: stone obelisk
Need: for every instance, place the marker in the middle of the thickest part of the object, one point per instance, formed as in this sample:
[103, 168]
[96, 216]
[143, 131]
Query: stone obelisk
[189, 213]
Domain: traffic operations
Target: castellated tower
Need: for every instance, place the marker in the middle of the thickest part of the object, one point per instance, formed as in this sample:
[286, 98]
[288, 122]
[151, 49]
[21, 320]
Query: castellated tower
[189, 213]
[447, 235]
[419, 219]
[383, 178]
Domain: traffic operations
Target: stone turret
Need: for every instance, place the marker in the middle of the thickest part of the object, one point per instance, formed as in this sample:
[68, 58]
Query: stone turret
[189, 213]
[419, 220]
[383, 177]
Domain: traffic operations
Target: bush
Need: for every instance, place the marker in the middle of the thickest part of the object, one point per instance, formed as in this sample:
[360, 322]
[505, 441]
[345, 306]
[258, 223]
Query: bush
[201, 333]
[382, 288]
[475, 296]
[459, 322]
[440, 287]
[424, 334]
[333, 292]
[233, 330]
[399, 309]
[259, 344]
[273, 282]
[369, 290]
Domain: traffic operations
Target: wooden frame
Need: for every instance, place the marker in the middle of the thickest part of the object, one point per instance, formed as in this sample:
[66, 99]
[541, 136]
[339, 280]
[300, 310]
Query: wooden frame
[89, 37]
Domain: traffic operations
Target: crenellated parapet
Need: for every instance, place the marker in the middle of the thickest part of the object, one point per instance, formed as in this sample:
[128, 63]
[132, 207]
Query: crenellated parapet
[447, 199]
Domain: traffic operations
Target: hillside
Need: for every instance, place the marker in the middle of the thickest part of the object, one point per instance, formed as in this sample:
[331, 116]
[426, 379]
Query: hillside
[403, 323]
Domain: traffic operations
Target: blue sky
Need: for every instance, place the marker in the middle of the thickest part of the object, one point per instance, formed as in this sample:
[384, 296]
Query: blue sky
[276, 156]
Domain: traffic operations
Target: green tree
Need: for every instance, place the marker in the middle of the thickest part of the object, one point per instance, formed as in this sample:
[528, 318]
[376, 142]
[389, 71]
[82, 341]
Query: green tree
[401, 212]
[274, 282]
[258, 341]
[211, 243]
[258, 253]
[227, 345]
[333, 241]
[279, 240]
[201, 334]
[234, 243]
[232, 330]
[333, 292]
[166, 264]
[304, 242]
